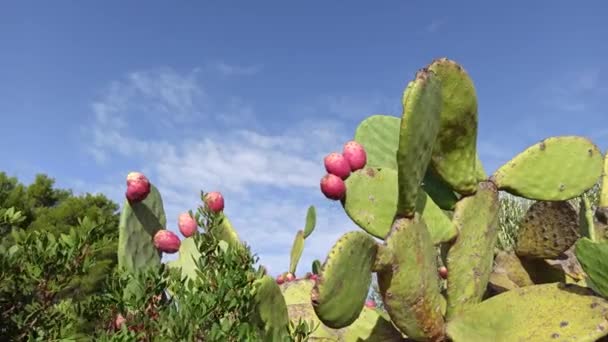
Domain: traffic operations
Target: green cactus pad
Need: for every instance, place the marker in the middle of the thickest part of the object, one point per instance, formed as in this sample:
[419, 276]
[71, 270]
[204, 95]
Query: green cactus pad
[548, 229]
[508, 273]
[585, 219]
[603, 201]
[311, 221]
[296, 251]
[371, 325]
[188, 256]
[455, 151]
[379, 134]
[556, 169]
[417, 134]
[371, 202]
[139, 222]
[410, 289]
[548, 312]
[480, 171]
[469, 260]
[592, 256]
[270, 310]
[316, 267]
[340, 292]
[224, 231]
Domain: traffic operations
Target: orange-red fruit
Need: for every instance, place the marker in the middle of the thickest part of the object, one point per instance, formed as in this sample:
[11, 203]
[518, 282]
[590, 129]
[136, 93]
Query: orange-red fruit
[290, 277]
[138, 187]
[370, 303]
[355, 154]
[166, 241]
[280, 279]
[215, 201]
[333, 187]
[187, 224]
[336, 164]
[443, 272]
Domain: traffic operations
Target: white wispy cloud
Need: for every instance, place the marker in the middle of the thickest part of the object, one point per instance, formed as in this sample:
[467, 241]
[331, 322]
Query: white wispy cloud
[268, 179]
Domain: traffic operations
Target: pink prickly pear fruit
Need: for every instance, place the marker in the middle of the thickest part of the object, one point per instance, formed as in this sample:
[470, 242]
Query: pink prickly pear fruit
[355, 154]
[370, 303]
[187, 225]
[119, 321]
[336, 164]
[313, 277]
[290, 277]
[443, 272]
[138, 187]
[215, 201]
[280, 279]
[333, 187]
[166, 241]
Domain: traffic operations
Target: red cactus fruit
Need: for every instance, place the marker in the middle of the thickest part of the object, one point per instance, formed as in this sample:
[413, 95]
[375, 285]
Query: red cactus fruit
[119, 321]
[313, 277]
[443, 272]
[333, 187]
[355, 154]
[280, 279]
[215, 201]
[290, 277]
[187, 224]
[138, 187]
[166, 241]
[370, 303]
[336, 164]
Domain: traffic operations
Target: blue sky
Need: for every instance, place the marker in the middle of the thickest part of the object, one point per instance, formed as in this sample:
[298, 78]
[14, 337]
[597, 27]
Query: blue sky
[247, 97]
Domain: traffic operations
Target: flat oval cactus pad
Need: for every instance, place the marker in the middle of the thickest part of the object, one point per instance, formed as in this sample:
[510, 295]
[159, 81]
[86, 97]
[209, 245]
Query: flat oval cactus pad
[547, 230]
[555, 169]
[341, 289]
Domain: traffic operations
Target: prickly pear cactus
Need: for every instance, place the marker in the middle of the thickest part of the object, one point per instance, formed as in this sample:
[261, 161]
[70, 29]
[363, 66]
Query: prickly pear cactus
[139, 222]
[425, 193]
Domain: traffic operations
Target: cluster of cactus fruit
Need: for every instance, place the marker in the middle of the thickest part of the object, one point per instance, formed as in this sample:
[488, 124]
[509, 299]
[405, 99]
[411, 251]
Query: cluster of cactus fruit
[416, 183]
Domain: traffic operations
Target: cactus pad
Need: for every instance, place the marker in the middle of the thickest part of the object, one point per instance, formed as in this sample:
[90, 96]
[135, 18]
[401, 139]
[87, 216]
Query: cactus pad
[556, 169]
[418, 132]
[316, 267]
[585, 219]
[410, 288]
[224, 231]
[270, 309]
[341, 289]
[592, 257]
[188, 256]
[547, 230]
[371, 202]
[311, 221]
[296, 251]
[534, 313]
[508, 273]
[379, 134]
[138, 223]
[603, 202]
[469, 260]
[455, 151]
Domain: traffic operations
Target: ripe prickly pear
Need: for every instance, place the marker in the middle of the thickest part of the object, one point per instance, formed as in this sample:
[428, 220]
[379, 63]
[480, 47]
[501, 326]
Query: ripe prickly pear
[355, 154]
[333, 187]
[215, 201]
[187, 224]
[443, 272]
[166, 241]
[313, 277]
[138, 187]
[370, 303]
[280, 279]
[290, 277]
[119, 321]
[336, 164]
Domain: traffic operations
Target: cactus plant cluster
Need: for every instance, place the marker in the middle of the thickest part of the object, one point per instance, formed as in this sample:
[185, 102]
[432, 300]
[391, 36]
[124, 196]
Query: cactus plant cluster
[426, 195]
[429, 212]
